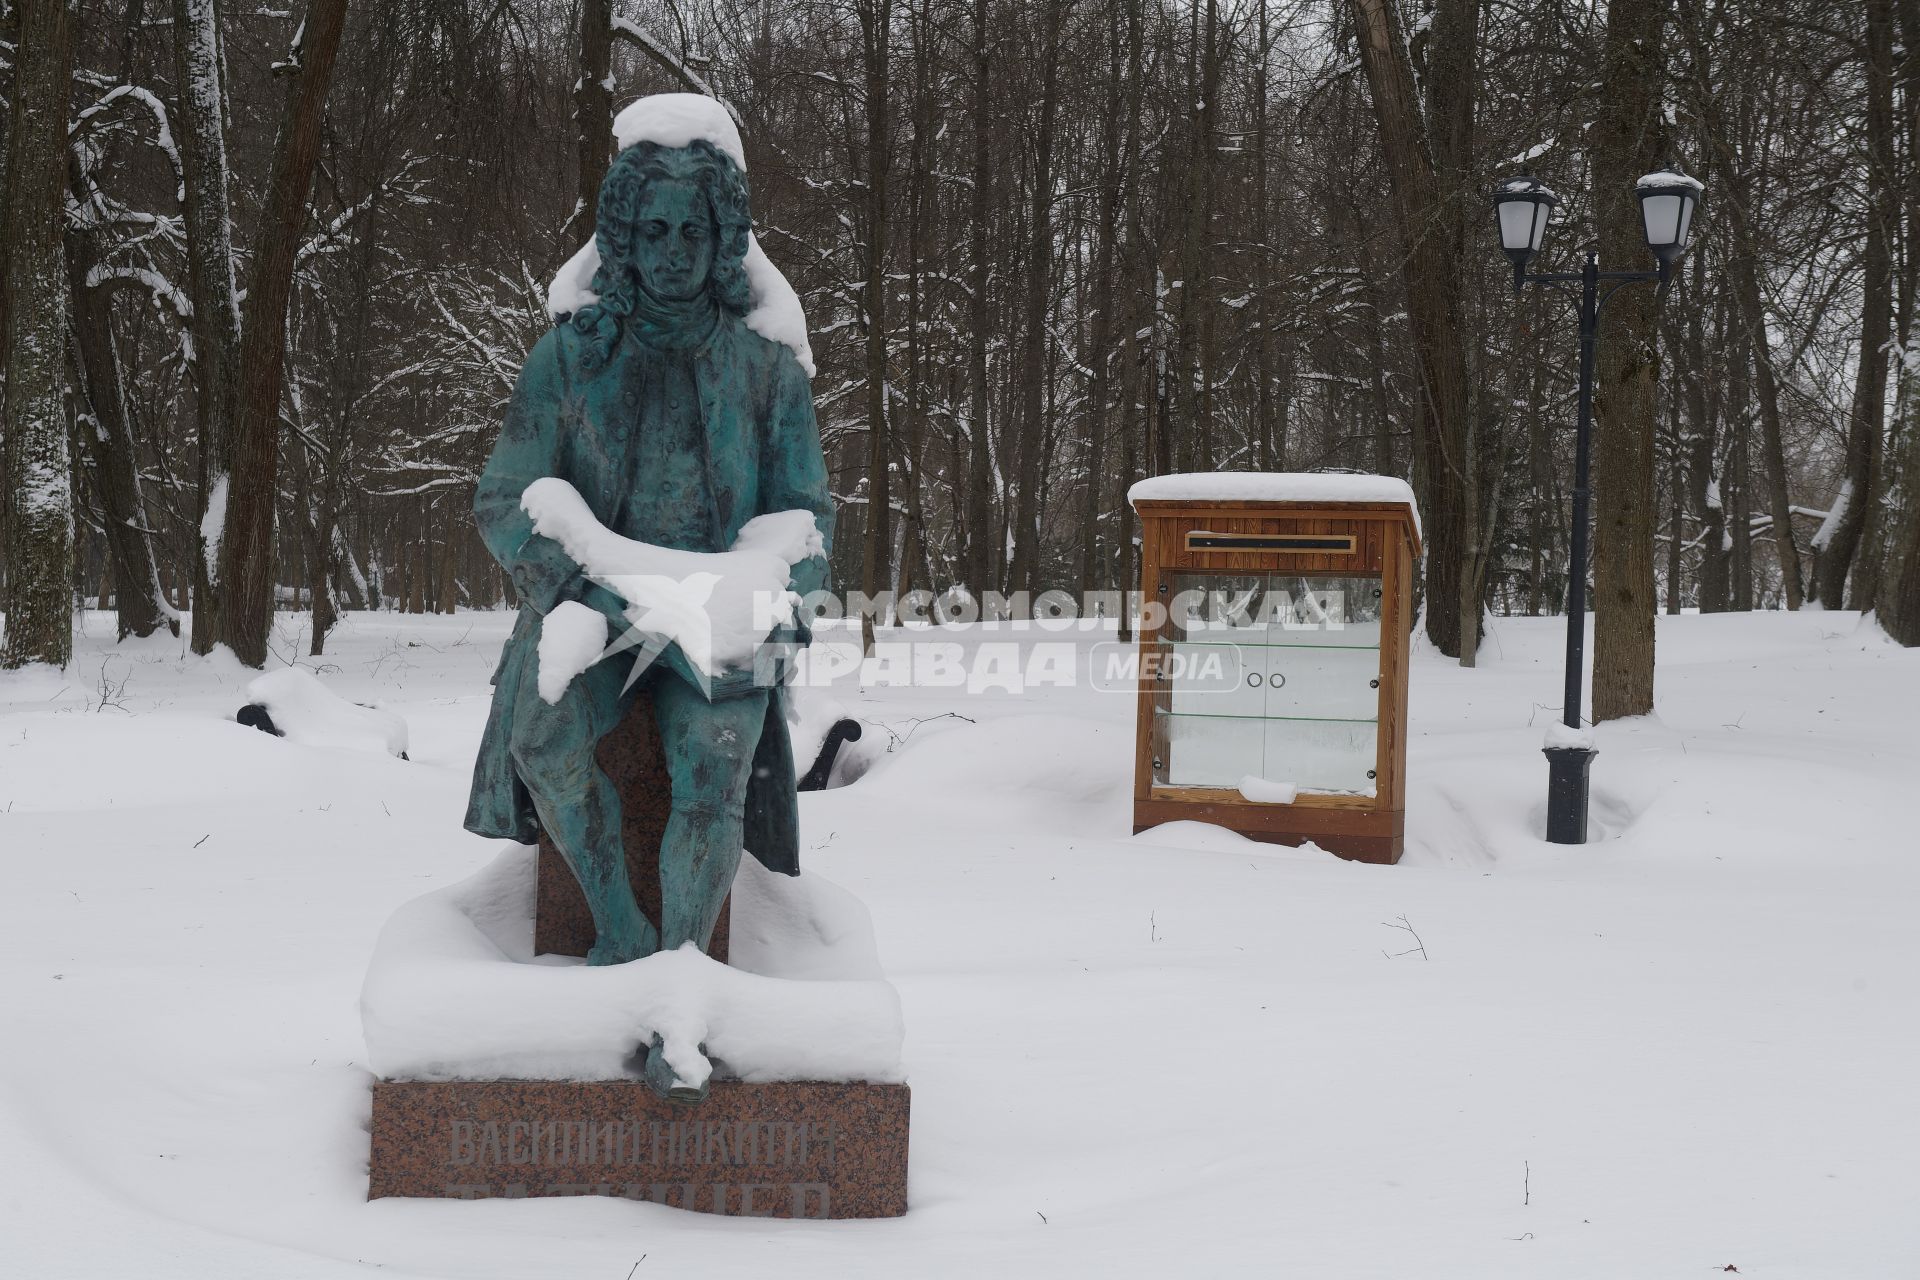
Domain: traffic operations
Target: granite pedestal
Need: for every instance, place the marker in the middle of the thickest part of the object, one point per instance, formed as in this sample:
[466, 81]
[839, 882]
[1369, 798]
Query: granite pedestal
[777, 1150]
[786, 1149]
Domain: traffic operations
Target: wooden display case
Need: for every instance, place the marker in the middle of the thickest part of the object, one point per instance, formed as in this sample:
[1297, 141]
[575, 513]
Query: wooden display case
[1273, 673]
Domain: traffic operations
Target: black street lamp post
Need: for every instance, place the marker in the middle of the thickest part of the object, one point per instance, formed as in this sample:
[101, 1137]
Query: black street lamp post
[1522, 207]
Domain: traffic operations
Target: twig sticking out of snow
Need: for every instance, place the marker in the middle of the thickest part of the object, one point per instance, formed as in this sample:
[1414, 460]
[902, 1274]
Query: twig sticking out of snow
[1417, 947]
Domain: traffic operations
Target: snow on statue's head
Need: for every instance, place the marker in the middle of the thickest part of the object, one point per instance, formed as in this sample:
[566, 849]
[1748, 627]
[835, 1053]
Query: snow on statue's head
[672, 234]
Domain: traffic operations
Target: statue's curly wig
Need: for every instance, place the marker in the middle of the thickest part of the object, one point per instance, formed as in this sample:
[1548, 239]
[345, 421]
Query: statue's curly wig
[617, 282]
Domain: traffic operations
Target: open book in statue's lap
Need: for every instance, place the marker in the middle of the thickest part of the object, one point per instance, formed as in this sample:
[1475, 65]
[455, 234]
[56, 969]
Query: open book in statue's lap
[677, 426]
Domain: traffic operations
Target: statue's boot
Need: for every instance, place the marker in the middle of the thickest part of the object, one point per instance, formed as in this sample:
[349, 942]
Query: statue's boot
[709, 751]
[667, 1082]
[699, 853]
[619, 950]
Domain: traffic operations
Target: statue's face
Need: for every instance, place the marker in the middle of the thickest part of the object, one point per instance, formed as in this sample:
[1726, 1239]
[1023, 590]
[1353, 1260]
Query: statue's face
[675, 244]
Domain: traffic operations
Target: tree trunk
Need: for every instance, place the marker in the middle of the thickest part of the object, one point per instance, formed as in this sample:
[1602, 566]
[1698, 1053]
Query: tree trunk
[1739, 501]
[1266, 447]
[1039, 282]
[107, 440]
[911, 538]
[1100, 338]
[39, 542]
[876, 23]
[593, 111]
[450, 526]
[246, 550]
[1767, 390]
[1435, 275]
[1704, 488]
[1626, 143]
[1452, 74]
[1192, 376]
[979, 556]
[140, 607]
[320, 587]
[1734, 192]
[1676, 505]
[1541, 488]
[1898, 601]
[1847, 550]
[199, 125]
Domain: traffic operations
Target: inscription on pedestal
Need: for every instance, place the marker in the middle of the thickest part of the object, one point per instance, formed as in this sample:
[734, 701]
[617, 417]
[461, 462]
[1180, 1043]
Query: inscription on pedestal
[786, 1150]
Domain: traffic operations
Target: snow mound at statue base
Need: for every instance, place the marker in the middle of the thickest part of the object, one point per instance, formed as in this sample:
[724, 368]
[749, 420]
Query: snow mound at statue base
[455, 992]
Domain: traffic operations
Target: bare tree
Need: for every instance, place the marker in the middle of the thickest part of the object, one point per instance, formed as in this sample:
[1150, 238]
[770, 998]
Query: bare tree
[39, 524]
[876, 41]
[246, 549]
[200, 112]
[1627, 143]
[1866, 423]
[1430, 230]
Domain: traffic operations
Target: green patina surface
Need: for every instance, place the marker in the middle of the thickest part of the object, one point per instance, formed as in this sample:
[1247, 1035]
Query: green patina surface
[677, 424]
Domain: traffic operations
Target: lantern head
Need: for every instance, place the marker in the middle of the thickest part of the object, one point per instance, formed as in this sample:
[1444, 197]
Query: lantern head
[1667, 200]
[1521, 208]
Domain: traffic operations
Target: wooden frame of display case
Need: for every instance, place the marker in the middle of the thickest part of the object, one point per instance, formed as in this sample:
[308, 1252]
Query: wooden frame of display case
[1350, 539]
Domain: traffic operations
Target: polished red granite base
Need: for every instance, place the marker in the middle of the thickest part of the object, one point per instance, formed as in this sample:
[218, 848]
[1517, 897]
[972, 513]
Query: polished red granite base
[780, 1150]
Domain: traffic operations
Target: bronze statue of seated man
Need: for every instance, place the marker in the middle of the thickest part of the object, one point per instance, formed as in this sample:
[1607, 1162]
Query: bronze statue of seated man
[677, 424]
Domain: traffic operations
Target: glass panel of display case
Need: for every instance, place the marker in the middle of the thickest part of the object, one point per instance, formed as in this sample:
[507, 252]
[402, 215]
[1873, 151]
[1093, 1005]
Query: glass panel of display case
[1272, 676]
[1327, 756]
[1217, 608]
[1209, 751]
[1324, 609]
[1218, 679]
[1322, 683]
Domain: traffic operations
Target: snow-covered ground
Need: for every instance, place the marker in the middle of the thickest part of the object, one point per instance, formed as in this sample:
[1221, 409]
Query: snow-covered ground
[1686, 1046]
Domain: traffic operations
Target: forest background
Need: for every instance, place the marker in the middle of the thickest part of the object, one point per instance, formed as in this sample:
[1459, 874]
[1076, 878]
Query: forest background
[271, 273]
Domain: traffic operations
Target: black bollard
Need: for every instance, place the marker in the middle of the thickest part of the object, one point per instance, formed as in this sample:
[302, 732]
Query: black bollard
[1567, 793]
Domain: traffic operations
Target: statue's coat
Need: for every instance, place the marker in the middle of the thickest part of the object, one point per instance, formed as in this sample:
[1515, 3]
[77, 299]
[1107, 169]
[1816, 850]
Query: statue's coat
[568, 420]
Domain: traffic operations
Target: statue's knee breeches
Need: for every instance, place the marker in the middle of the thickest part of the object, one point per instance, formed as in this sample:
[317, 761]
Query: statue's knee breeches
[709, 747]
[553, 745]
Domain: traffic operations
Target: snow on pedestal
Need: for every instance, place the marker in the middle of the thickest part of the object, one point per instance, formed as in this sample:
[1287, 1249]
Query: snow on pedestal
[454, 991]
[1561, 738]
[676, 120]
[1275, 486]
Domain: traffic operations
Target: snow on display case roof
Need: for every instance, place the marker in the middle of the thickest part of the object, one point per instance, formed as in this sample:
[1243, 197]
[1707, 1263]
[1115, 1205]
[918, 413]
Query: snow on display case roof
[1276, 486]
[676, 120]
